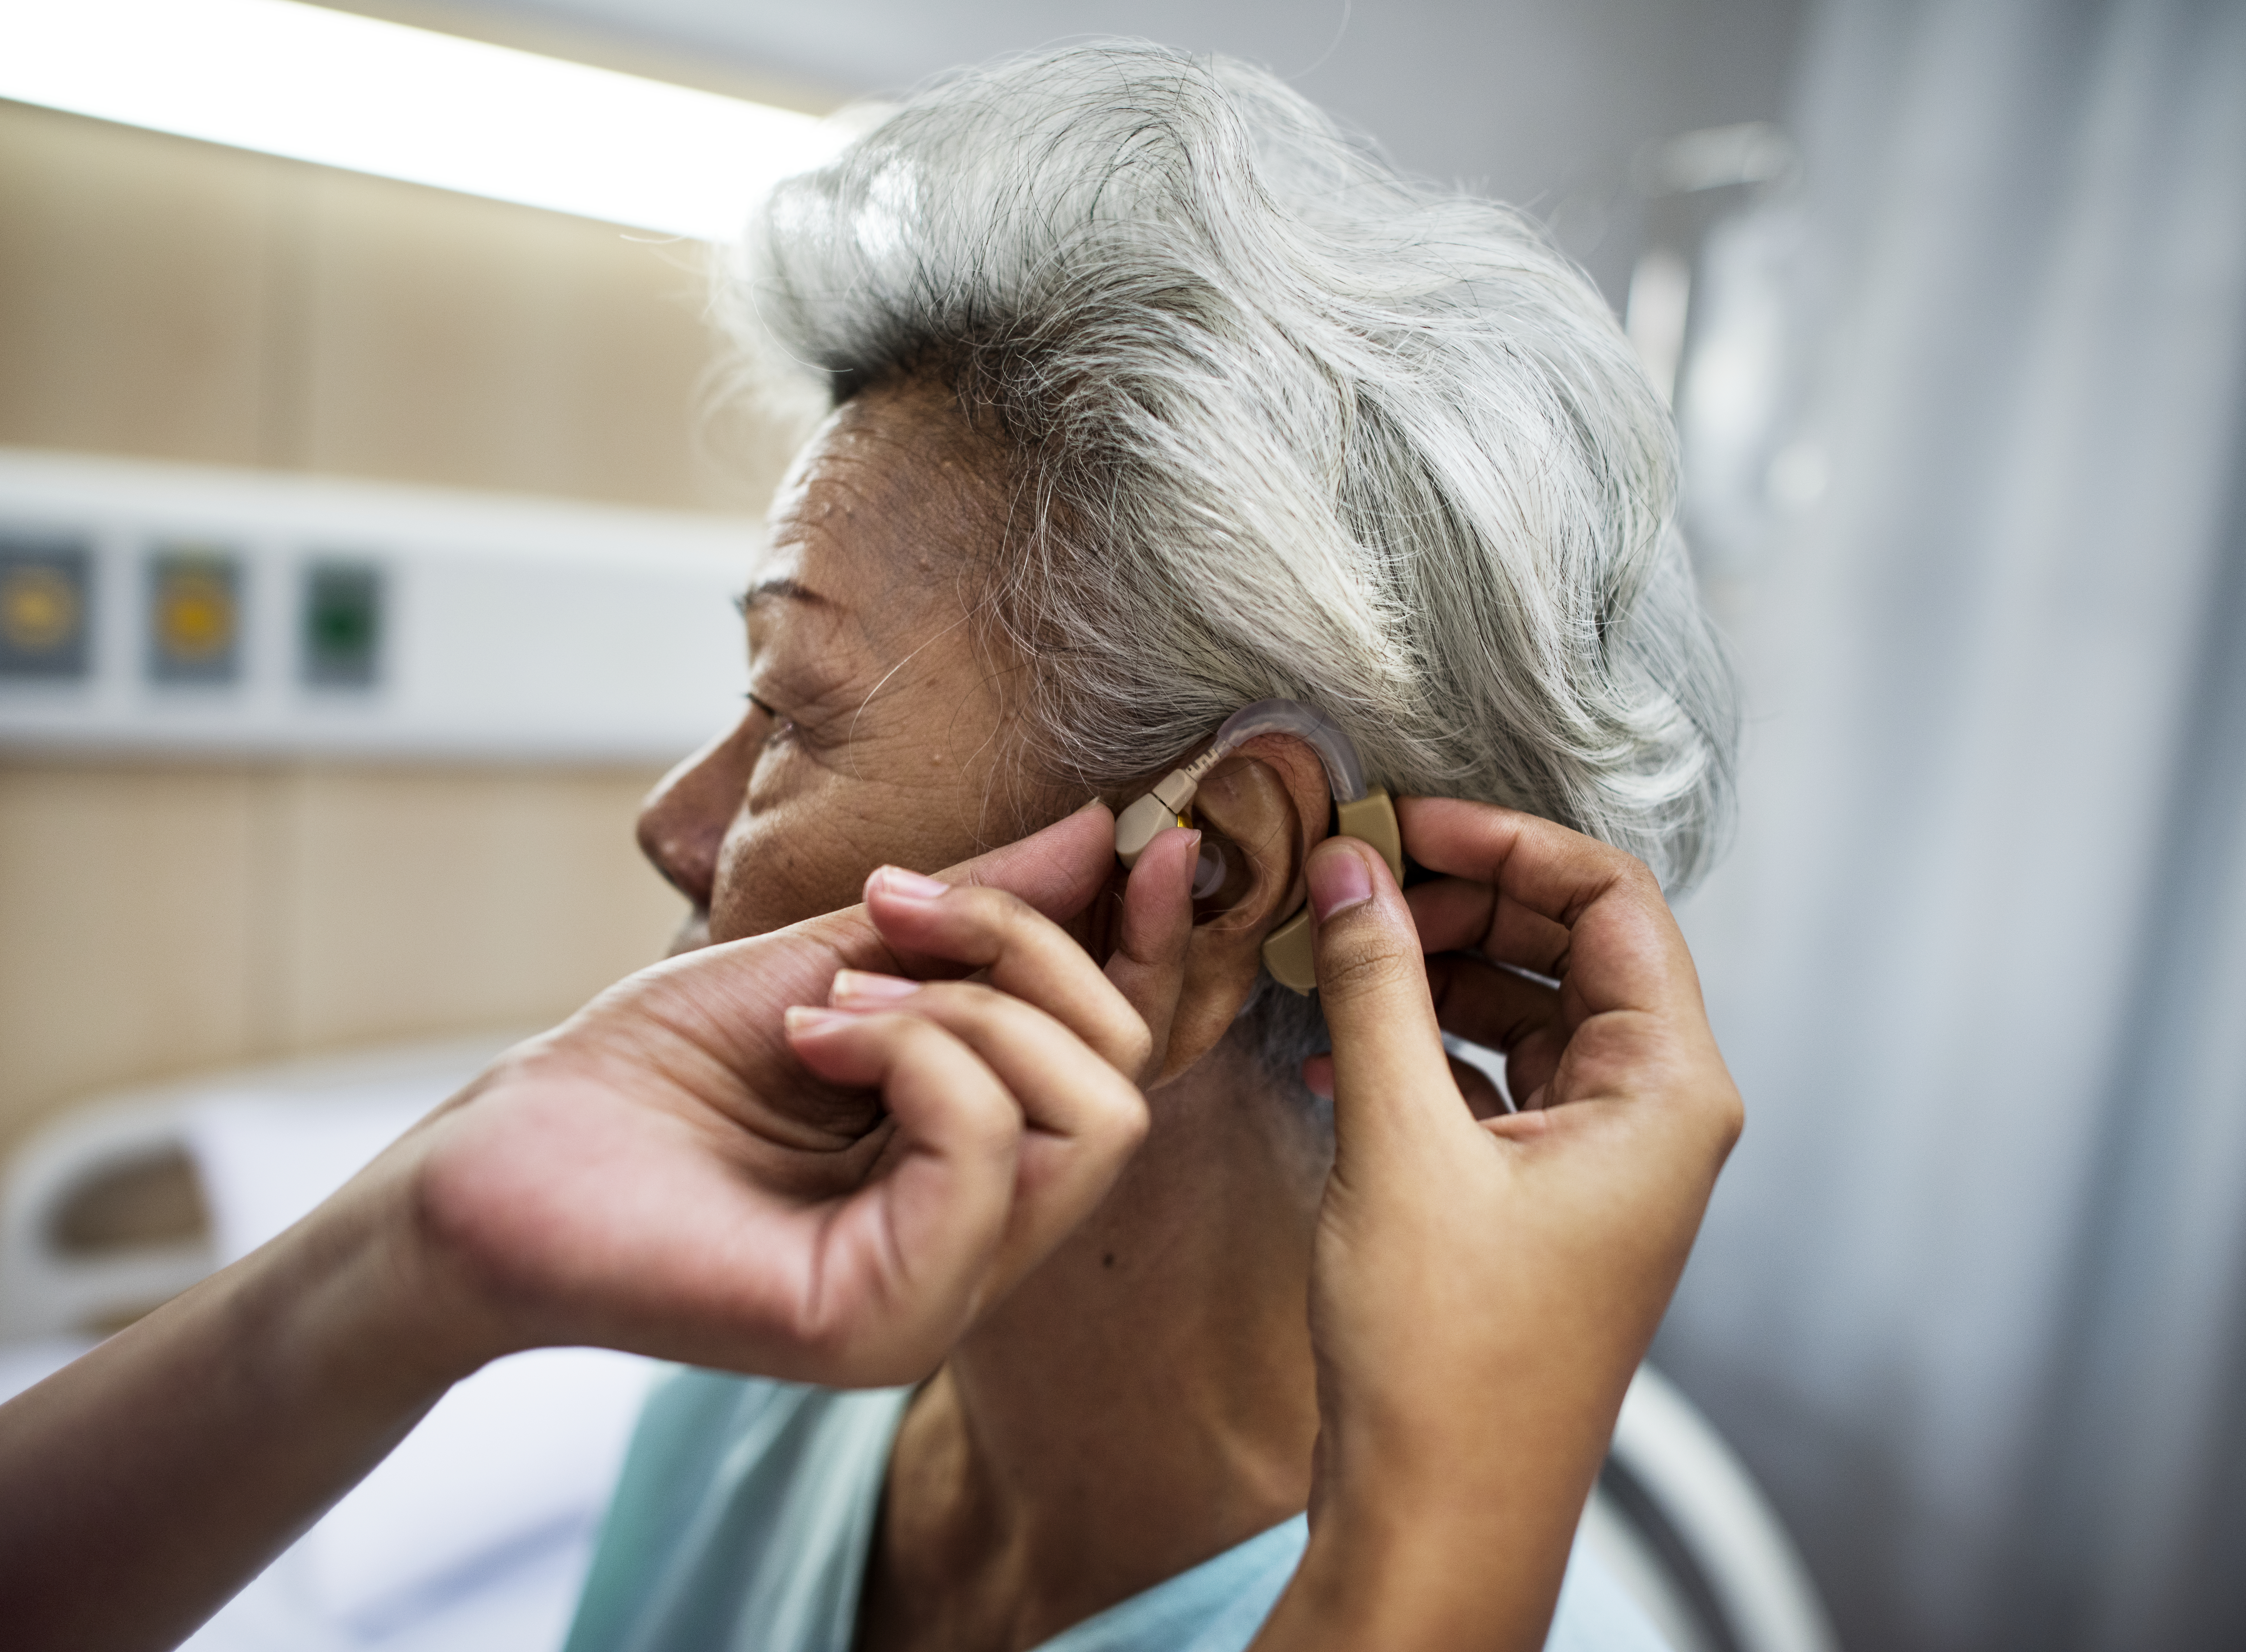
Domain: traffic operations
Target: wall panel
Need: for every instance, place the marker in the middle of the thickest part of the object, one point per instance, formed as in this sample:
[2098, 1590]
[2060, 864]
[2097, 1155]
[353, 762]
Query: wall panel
[452, 340]
[428, 901]
[128, 902]
[156, 921]
[168, 299]
[136, 289]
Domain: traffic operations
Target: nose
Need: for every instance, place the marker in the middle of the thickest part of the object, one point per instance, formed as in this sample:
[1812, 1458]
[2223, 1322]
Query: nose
[682, 823]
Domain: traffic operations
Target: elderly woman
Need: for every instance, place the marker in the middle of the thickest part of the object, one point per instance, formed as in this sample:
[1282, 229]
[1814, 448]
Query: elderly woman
[1152, 397]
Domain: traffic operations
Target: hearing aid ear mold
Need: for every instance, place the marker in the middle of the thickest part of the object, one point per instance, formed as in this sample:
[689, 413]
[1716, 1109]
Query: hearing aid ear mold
[1360, 812]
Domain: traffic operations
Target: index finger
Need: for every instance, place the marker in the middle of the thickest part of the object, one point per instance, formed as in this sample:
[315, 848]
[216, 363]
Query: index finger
[1025, 953]
[1057, 870]
[1623, 950]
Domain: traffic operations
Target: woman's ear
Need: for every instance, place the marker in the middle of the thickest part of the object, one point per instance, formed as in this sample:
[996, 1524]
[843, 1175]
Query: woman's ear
[1260, 810]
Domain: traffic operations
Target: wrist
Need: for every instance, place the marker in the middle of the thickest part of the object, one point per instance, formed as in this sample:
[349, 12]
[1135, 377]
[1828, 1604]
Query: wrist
[1438, 1538]
[1405, 1577]
[357, 1301]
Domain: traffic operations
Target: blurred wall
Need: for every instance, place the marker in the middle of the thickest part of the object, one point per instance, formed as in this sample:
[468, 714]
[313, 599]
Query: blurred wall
[166, 299]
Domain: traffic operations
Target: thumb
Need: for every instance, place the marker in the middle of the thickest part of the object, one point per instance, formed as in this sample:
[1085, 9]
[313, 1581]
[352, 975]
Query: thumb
[1390, 1075]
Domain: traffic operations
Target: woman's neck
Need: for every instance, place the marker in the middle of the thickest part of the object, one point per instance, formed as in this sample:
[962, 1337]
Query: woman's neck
[1142, 1402]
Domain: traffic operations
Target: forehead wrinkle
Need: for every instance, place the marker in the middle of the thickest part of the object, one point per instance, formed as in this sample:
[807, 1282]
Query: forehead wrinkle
[871, 546]
[837, 473]
[906, 449]
[893, 493]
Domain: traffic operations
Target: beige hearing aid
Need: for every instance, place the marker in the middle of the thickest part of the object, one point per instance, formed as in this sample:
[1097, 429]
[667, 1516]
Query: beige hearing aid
[1359, 812]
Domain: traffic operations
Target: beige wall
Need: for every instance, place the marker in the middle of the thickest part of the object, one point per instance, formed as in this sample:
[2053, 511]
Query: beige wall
[177, 299]
[168, 299]
[161, 922]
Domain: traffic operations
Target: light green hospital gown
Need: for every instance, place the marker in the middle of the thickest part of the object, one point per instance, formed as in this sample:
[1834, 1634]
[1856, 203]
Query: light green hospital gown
[746, 1512]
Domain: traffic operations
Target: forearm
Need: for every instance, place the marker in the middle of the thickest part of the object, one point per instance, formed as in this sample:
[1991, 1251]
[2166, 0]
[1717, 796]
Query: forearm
[1429, 1539]
[142, 1486]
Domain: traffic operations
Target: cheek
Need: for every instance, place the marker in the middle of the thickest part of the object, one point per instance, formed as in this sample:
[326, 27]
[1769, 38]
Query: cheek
[808, 851]
[781, 866]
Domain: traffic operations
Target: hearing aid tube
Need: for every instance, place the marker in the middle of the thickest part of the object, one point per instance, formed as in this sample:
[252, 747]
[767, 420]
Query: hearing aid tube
[1165, 805]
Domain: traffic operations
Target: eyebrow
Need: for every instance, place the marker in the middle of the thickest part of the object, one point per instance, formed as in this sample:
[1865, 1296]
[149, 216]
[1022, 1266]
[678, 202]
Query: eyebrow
[784, 590]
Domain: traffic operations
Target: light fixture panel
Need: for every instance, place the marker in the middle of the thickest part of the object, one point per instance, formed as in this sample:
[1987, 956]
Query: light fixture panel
[311, 83]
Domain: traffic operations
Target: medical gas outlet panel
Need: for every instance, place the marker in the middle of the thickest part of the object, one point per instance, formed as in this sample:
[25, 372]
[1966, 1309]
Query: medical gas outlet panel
[180, 610]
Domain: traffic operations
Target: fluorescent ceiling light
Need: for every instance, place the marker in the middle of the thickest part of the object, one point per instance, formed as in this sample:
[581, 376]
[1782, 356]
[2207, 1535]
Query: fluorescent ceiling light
[344, 90]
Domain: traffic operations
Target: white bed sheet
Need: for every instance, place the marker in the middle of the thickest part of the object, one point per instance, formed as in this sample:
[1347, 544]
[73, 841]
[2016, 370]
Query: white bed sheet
[476, 1532]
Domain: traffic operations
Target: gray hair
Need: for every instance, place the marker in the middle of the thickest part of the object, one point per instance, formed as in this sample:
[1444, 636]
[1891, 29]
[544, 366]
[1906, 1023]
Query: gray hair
[1285, 424]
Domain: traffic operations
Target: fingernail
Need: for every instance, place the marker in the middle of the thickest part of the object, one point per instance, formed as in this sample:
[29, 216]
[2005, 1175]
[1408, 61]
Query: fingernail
[1202, 878]
[804, 1017]
[1338, 882]
[864, 986]
[908, 886]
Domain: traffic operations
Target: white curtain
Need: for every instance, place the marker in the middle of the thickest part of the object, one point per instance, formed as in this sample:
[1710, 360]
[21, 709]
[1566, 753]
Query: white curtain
[1965, 419]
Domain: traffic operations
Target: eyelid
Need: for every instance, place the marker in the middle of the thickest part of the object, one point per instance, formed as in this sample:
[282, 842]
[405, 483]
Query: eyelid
[779, 726]
[768, 707]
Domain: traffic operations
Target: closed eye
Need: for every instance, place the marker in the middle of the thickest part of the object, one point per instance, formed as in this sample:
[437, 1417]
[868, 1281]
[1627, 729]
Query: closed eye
[782, 727]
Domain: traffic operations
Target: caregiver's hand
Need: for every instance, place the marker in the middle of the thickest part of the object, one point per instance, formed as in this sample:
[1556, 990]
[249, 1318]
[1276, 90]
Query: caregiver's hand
[663, 1174]
[1483, 1289]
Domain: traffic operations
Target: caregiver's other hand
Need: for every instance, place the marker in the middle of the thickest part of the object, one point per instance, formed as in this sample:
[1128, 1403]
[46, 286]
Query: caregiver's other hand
[1482, 1289]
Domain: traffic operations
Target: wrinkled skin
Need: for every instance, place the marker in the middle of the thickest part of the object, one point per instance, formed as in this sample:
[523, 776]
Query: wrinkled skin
[877, 730]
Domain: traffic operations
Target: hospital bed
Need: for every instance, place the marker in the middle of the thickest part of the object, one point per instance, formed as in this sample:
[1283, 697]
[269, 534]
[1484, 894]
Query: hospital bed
[476, 1532]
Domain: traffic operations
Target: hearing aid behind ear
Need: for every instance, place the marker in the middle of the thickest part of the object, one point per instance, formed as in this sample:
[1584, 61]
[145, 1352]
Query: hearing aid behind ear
[1359, 812]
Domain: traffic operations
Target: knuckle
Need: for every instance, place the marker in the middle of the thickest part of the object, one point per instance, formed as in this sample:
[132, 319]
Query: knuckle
[1351, 966]
[1634, 872]
[1129, 1045]
[987, 1017]
[1730, 1117]
[985, 1119]
[822, 1332]
[932, 1048]
[1001, 909]
[1114, 1114]
[966, 1005]
[1125, 1125]
[979, 1098]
